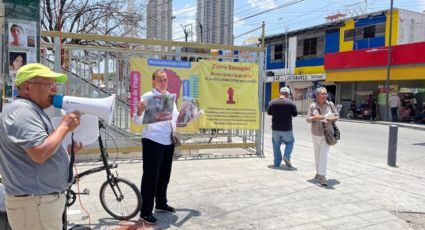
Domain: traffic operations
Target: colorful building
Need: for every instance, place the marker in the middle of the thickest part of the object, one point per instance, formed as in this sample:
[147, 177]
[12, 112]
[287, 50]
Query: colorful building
[349, 58]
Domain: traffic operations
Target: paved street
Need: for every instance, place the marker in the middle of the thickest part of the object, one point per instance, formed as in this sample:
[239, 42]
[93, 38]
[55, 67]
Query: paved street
[249, 193]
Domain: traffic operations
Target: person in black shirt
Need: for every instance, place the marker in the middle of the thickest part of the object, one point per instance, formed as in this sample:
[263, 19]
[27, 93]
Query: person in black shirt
[282, 110]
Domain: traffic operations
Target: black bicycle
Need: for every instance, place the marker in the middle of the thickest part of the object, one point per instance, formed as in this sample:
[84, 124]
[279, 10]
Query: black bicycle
[119, 197]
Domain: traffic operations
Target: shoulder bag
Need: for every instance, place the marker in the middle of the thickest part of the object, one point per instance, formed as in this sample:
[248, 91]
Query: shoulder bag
[330, 138]
[175, 137]
[337, 134]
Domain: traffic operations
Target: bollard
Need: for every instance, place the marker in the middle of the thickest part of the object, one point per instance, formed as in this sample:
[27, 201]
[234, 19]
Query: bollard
[392, 146]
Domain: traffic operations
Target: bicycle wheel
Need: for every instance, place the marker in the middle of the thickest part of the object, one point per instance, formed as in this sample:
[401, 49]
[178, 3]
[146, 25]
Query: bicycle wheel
[120, 198]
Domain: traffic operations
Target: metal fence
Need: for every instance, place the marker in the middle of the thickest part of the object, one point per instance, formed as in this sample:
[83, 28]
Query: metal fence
[97, 71]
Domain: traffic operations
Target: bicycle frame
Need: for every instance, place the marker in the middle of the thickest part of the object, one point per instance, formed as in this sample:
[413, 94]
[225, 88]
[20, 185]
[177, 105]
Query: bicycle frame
[106, 166]
[112, 181]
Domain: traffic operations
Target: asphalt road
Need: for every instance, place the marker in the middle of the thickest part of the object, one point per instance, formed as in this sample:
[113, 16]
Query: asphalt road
[367, 141]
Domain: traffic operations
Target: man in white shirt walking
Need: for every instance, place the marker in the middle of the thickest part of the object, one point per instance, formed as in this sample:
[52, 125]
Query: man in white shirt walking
[394, 102]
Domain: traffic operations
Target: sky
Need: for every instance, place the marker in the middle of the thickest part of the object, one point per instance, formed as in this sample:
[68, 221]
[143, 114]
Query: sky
[281, 15]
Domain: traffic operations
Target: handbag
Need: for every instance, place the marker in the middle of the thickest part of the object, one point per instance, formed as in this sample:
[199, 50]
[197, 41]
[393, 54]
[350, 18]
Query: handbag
[331, 139]
[176, 138]
[337, 133]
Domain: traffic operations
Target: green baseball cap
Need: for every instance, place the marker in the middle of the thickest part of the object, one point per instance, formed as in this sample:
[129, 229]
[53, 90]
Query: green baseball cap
[30, 71]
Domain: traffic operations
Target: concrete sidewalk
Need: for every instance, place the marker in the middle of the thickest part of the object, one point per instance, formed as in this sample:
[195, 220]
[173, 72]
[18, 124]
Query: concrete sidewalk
[249, 193]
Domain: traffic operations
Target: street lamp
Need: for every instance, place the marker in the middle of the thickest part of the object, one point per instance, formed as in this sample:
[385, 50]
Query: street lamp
[387, 84]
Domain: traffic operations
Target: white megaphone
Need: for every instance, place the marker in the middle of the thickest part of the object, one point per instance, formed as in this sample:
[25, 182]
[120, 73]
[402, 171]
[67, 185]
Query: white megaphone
[101, 107]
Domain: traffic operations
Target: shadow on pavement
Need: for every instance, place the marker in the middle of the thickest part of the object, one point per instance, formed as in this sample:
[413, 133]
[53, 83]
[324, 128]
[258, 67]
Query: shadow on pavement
[283, 168]
[331, 183]
[117, 224]
[168, 220]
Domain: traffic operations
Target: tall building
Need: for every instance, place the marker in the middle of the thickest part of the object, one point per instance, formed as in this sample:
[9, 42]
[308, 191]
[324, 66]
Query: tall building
[159, 24]
[214, 21]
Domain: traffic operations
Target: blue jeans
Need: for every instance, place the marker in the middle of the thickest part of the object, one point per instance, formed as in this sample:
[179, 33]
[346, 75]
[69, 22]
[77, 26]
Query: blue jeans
[279, 137]
[394, 111]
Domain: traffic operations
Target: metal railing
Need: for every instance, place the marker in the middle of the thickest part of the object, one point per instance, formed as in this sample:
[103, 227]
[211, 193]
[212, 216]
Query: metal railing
[87, 65]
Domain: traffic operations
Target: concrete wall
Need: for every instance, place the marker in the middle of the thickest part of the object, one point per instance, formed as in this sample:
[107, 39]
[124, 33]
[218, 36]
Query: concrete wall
[411, 27]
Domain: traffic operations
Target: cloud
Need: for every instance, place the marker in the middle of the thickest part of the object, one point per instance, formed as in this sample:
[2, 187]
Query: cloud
[238, 22]
[262, 4]
[421, 4]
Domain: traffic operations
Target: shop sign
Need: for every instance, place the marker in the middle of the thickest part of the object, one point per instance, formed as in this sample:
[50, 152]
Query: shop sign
[297, 77]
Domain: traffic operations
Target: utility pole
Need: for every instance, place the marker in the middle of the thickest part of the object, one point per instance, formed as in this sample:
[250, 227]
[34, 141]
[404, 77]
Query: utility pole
[263, 34]
[387, 83]
[286, 51]
[201, 30]
[185, 32]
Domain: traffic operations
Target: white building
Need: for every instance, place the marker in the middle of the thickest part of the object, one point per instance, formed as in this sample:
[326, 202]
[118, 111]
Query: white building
[159, 22]
[214, 21]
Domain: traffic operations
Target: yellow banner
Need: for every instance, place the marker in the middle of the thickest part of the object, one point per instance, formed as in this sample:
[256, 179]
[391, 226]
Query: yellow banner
[228, 94]
[182, 80]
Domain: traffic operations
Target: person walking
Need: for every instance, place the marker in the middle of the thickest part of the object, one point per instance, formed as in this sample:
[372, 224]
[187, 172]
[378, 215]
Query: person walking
[394, 102]
[321, 115]
[158, 151]
[33, 163]
[282, 110]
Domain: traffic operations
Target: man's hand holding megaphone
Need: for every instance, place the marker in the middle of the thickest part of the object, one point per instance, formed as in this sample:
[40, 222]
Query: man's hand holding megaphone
[69, 123]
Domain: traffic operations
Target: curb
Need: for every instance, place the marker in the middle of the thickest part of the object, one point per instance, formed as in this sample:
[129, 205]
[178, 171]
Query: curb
[404, 125]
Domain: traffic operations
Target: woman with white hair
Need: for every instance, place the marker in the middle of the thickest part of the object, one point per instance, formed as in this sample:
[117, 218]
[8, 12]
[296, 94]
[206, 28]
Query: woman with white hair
[321, 115]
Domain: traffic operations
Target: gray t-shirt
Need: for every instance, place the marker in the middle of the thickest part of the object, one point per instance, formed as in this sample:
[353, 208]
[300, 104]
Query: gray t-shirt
[21, 128]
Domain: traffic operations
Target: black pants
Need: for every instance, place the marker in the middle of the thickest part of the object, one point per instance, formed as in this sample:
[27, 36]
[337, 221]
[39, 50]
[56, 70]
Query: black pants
[157, 162]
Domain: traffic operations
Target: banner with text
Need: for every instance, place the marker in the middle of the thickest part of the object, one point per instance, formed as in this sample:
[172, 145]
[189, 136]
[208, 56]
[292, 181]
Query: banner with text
[228, 94]
[182, 81]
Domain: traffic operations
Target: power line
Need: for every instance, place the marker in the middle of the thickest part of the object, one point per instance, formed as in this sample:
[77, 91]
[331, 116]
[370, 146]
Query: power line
[253, 15]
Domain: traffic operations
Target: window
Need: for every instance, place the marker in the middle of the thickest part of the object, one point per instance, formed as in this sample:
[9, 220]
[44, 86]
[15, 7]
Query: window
[358, 33]
[278, 50]
[349, 35]
[310, 46]
[369, 32]
[380, 30]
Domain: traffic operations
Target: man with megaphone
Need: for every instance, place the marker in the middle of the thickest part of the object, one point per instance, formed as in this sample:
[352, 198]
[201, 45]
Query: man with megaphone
[33, 162]
[158, 151]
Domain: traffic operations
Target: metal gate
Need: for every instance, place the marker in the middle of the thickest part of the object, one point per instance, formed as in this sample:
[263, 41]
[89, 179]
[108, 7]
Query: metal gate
[103, 68]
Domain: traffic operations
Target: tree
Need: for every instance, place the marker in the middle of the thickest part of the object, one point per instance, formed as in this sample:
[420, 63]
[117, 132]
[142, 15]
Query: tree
[105, 17]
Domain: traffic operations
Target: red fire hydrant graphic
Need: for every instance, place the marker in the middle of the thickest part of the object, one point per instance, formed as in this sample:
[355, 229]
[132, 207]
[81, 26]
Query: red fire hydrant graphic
[230, 94]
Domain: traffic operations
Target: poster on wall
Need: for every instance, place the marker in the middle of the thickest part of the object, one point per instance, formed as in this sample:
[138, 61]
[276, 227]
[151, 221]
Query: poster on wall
[22, 34]
[22, 49]
[16, 60]
[229, 95]
[209, 94]
[183, 81]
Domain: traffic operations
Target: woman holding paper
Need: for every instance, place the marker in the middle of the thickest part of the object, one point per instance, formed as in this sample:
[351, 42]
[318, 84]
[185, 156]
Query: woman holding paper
[321, 114]
[158, 152]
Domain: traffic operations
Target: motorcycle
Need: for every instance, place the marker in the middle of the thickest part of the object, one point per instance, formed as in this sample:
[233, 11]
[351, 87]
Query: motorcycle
[362, 112]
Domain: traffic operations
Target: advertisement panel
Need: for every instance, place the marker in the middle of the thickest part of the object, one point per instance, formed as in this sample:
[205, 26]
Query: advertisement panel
[225, 92]
[229, 95]
[183, 81]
